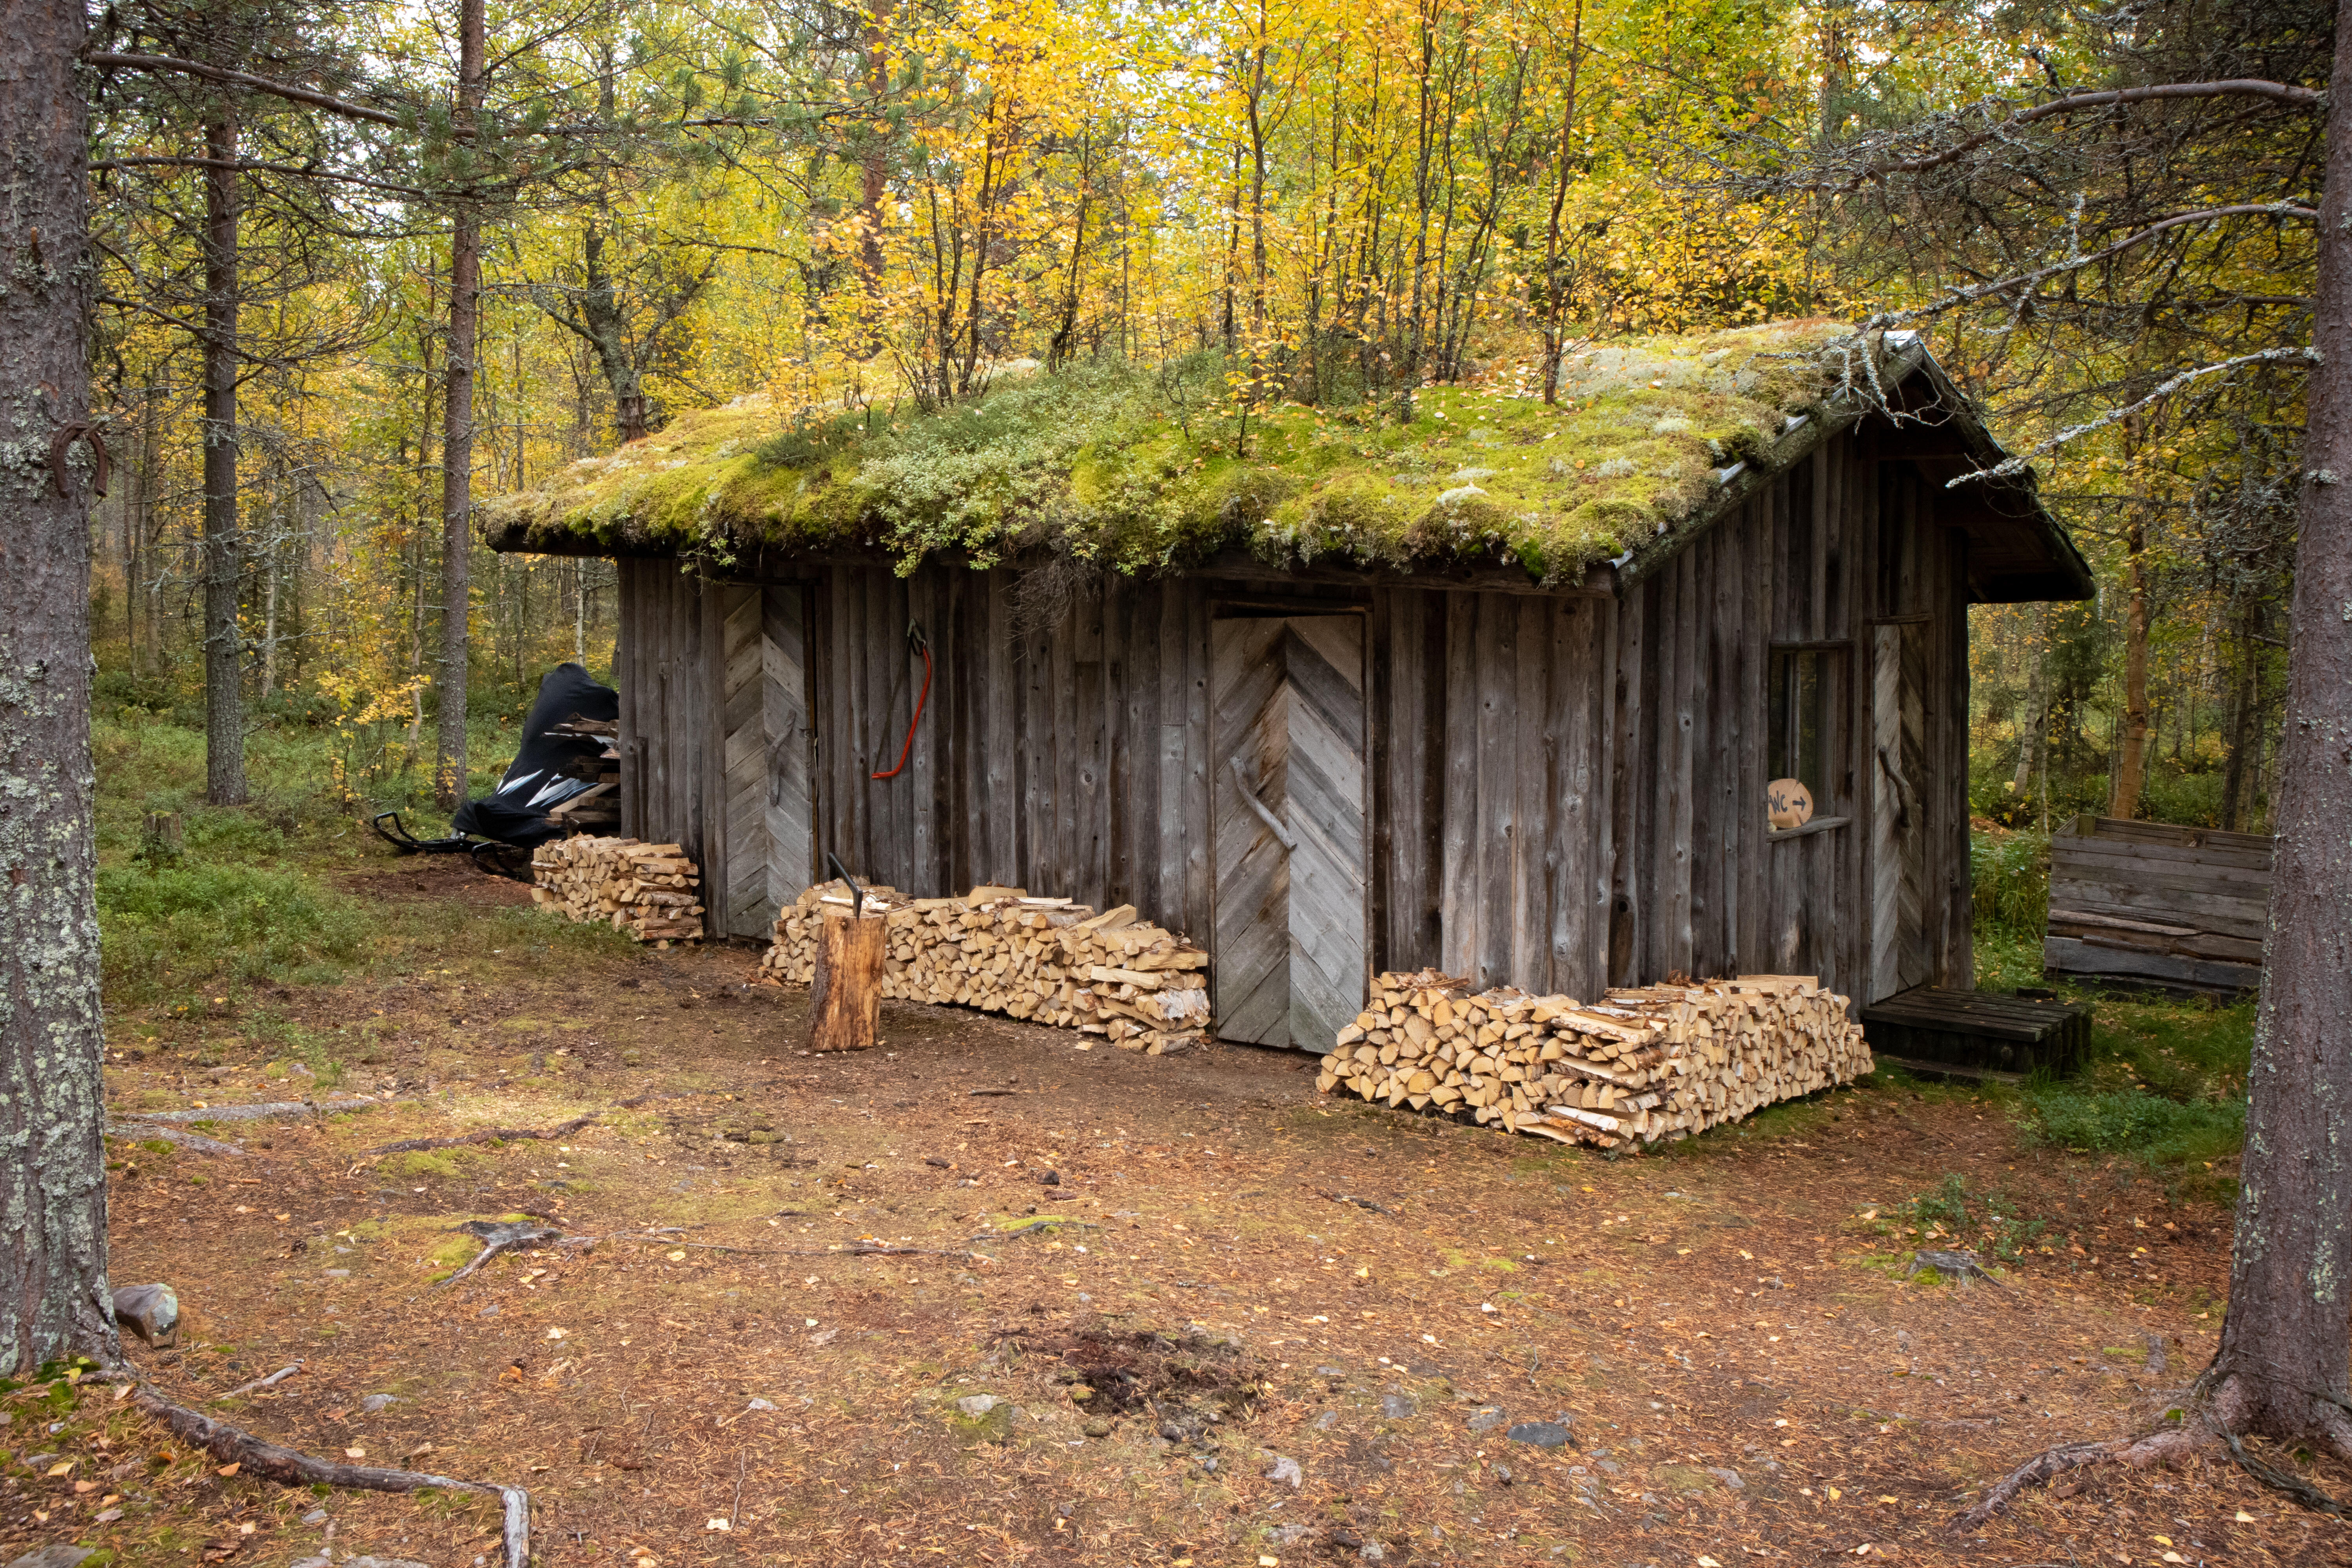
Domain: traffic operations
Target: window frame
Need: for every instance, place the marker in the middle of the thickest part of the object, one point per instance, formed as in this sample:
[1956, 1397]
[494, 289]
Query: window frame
[1833, 729]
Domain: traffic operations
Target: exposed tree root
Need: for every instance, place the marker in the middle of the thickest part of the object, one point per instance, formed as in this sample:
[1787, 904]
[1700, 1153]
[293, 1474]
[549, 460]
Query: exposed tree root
[488, 1135]
[2270, 1476]
[2210, 1428]
[497, 1238]
[288, 1468]
[266, 1110]
[847, 1249]
[194, 1143]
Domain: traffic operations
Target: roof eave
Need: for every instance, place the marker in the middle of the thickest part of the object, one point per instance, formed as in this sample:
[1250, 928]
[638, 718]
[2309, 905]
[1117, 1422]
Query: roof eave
[2061, 574]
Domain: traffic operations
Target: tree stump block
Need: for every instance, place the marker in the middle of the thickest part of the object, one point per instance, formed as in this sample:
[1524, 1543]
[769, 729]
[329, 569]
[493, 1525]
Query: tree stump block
[846, 997]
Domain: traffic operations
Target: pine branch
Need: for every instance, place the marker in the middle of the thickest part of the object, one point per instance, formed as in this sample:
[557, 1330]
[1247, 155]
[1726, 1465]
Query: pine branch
[161, 65]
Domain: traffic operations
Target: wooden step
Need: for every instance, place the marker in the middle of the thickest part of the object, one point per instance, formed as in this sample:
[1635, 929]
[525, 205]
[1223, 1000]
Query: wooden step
[1980, 1029]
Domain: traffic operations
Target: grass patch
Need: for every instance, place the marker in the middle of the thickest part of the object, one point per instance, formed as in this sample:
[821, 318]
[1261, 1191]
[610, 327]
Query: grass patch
[2166, 1082]
[2146, 1127]
[1987, 1222]
[163, 929]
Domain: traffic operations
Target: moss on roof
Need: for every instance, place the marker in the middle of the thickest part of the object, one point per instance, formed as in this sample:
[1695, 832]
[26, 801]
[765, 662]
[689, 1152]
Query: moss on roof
[1135, 470]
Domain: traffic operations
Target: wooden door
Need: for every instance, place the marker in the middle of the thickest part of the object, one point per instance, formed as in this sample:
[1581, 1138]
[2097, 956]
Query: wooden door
[1900, 954]
[1288, 815]
[757, 860]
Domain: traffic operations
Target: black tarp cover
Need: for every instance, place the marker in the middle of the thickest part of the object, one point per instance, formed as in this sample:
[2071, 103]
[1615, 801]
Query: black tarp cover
[516, 812]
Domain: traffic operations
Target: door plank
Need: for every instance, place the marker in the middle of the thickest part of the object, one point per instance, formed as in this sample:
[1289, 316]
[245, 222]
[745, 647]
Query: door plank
[1249, 974]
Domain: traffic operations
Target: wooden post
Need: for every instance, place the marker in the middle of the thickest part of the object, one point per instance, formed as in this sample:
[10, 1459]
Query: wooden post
[846, 997]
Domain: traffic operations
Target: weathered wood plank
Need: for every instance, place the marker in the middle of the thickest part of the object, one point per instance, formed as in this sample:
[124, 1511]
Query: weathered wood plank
[1249, 968]
[1494, 819]
[1564, 850]
[1323, 805]
[1458, 811]
[784, 725]
[2098, 857]
[2067, 955]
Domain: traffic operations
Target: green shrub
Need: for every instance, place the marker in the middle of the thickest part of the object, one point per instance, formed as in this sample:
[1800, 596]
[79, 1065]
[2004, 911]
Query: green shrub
[167, 929]
[2146, 1126]
[2009, 875]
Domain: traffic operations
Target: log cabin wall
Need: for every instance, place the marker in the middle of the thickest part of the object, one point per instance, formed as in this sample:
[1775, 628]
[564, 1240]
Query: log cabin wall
[1840, 555]
[715, 739]
[1566, 789]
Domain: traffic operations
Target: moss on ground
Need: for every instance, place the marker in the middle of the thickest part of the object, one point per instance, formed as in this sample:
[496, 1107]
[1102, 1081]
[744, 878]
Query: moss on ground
[1136, 472]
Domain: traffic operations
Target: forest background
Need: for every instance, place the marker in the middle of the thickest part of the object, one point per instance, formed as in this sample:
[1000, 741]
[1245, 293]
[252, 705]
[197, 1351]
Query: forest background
[870, 214]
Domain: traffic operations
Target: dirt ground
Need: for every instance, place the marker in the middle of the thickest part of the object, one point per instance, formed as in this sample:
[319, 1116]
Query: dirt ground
[1264, 1326]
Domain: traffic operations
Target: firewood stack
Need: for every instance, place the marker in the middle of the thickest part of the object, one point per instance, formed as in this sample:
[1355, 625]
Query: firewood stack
[1045, 960]
[650, 890]
[599, 806]
[1638, 1065]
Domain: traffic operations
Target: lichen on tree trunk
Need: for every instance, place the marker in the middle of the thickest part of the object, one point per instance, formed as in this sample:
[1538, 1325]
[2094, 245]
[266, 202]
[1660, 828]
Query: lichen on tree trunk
[53, 1294]
[2285, 1361]
[223, 542]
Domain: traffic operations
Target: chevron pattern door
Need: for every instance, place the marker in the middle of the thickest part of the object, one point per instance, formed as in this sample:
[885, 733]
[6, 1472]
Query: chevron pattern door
[1288, 812]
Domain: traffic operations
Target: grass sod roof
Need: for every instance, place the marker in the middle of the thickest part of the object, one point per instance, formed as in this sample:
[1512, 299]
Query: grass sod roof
[1135, 470]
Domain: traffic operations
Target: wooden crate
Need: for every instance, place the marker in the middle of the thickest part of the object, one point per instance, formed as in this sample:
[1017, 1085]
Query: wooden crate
[2148, 904]
[1978, 1031]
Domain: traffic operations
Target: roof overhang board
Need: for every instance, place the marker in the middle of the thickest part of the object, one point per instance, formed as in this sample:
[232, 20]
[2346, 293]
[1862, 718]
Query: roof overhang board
[2017, 551]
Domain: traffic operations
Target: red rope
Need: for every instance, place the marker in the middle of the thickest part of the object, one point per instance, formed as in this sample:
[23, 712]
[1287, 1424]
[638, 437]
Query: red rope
[908, 749]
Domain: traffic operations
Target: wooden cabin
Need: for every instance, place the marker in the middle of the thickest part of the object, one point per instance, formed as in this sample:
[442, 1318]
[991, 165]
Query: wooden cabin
[1322, 771]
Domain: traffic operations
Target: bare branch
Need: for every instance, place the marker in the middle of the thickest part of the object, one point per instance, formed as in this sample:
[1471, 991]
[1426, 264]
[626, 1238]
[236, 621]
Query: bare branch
[2075, 102]
[2305, 357]
[1975, 291]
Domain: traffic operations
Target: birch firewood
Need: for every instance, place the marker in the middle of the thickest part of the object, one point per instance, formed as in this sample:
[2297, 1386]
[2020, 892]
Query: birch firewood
[1041, 960]
[650, 890]
[1637, 1066]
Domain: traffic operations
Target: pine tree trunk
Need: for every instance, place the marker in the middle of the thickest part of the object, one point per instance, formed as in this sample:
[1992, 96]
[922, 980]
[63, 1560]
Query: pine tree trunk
[53, 1297]
[2243, 701]
[2131, 746]
[2033, 723]
[268, 618]
[458, 428]
[2284, 1354]
[224, 547]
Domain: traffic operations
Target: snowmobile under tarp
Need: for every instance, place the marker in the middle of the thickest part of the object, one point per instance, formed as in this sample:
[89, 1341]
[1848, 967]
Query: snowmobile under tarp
[562, 764]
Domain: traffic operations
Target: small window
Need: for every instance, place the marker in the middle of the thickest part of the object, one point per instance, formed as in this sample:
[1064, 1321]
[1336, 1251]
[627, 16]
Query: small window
[1807, 740]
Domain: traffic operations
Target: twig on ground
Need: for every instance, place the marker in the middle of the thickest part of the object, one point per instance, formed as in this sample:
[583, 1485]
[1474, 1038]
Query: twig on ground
[978, 1093]
[1360, 1203]
[280, 1375]
[1960, 1266]
[488, 1135]
[293, 1469]
[1031, 1228]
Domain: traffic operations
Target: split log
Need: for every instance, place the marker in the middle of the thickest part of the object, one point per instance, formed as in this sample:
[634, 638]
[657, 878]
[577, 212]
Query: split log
[846, 1000]
[1640, 1065]
[649, 891]
[1040, 960]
